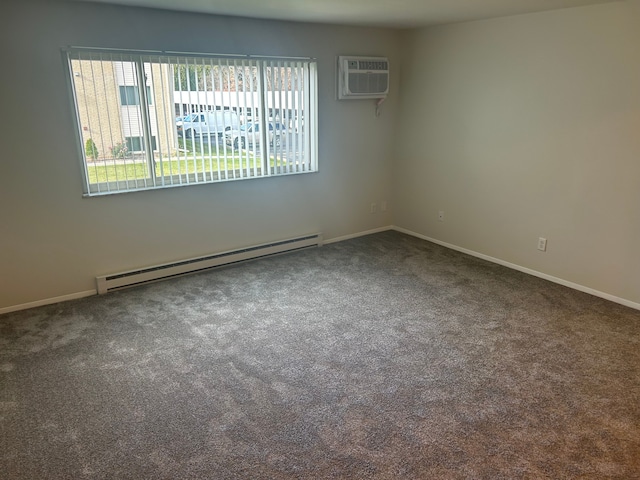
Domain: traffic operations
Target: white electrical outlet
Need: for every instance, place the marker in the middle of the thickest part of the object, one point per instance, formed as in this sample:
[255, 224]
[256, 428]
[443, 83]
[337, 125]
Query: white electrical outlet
[542, 244]
[383, 206]
[441, 216]
[373, 208]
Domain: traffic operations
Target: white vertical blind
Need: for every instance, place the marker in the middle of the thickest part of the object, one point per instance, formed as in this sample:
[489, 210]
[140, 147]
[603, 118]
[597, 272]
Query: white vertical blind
[153, 121]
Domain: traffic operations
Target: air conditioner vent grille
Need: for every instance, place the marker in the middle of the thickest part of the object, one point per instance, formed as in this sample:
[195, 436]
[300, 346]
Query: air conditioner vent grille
[373, 65]
[363, 77]
[368, 82]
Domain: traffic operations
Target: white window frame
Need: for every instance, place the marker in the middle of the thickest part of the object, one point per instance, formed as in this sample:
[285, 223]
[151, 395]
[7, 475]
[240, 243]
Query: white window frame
[303, 160]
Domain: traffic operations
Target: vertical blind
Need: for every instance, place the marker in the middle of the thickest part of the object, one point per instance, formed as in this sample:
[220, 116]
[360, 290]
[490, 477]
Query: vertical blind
[152, 121]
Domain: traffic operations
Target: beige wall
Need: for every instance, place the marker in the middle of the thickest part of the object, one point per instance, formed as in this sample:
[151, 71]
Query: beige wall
[527, 127]
[101, 114]
[516, 128]
[97, 94]
[164, 108]
[54, 242]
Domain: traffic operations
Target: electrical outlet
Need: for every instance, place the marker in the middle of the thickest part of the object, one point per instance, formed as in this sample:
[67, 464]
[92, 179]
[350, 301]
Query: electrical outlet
[441, 216]
[542, 244]
[383, 206]
[373, 208]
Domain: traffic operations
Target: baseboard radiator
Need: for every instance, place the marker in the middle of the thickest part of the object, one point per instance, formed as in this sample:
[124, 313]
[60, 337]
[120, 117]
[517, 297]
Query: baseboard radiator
[108, 283]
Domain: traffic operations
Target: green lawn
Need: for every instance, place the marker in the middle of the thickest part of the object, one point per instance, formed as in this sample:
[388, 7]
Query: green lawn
[194, 157]
[99, 173]
[201, 147]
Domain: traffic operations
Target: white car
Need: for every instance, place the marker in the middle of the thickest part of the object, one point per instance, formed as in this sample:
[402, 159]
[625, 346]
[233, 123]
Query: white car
[249, 135]
[208, 124]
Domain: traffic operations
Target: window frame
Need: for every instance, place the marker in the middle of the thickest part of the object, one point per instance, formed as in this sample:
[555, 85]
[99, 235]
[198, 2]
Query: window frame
[144, 94]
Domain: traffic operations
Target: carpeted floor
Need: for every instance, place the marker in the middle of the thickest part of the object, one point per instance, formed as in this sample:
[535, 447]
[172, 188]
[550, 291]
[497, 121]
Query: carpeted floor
[379, 357]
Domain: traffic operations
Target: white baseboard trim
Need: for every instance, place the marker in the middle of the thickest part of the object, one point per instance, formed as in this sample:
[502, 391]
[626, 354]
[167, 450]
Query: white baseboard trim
[88, 293]
[359, 234]
[48, 301]
[535, 273]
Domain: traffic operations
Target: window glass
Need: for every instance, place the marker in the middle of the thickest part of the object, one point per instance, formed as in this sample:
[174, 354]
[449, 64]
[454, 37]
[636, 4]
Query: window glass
[186, 146]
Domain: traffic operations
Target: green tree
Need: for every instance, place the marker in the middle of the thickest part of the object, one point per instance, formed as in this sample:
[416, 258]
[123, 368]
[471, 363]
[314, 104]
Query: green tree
[219, 78]
[90, 149]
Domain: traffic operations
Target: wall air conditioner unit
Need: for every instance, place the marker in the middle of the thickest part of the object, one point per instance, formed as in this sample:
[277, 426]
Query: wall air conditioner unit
[363, 77]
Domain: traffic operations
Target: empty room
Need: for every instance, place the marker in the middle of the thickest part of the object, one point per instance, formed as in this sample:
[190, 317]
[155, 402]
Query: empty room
[320, 239]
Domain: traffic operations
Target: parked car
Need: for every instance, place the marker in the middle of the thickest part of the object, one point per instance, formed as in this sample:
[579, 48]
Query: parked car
[209, 124]
[249, 135]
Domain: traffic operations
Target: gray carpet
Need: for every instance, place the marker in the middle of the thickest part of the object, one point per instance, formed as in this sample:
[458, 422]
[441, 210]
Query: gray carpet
[380, 357]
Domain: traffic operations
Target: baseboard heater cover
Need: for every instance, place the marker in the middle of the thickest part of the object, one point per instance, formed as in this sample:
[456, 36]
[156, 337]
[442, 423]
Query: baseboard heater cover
[108, 283]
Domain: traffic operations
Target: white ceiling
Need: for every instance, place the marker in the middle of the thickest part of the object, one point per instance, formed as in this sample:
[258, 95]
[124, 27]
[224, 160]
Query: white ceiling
[387, 13]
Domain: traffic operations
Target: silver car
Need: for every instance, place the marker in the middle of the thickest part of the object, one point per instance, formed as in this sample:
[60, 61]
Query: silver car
[249, 135]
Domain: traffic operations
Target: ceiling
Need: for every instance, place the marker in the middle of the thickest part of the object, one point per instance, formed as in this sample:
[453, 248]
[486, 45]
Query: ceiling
[384, 13]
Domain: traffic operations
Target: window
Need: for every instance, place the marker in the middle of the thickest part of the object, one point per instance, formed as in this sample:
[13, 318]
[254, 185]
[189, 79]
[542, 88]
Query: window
[154, 121]
[135, 144]
[129, 95]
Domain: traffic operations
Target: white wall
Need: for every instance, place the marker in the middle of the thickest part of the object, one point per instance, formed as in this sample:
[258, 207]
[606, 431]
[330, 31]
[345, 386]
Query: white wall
[525, 127]
[53, 242]
[516, 128]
